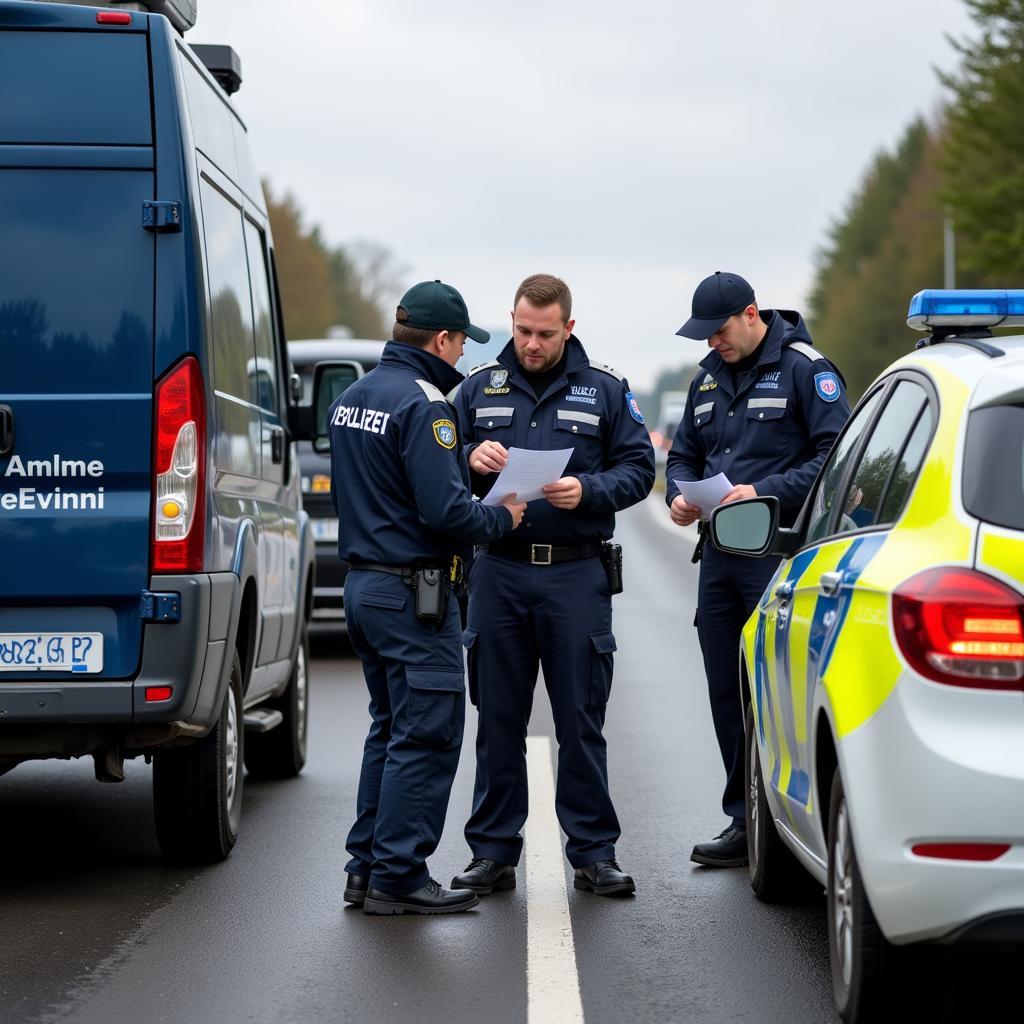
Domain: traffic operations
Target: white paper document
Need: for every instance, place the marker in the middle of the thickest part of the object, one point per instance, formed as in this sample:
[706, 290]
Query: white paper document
[706, 494]
[526, 472]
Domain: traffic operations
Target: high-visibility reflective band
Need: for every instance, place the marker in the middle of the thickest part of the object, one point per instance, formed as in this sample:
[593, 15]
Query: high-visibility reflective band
[767, 403]
[970, 307]
[494, 410]
[701, 409]
[579, 417]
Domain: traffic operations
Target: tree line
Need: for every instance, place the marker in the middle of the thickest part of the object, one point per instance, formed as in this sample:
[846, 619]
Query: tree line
[325, 287]
[966, 164]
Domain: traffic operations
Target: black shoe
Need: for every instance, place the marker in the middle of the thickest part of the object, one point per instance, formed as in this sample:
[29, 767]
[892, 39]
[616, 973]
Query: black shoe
[431, 899]
[728, 850]
[485, 876]
[355, 890]
[604, 878]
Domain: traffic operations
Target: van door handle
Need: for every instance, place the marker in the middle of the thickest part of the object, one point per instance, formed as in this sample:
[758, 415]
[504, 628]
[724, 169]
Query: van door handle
[784, 591]
[277, 444]
[6, 430]
[829, 584]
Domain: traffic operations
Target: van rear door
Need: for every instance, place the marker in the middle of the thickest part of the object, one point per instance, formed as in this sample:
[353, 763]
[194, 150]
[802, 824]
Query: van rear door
[76, 344]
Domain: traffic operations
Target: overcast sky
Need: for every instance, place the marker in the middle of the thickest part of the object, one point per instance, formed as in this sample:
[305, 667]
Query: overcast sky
[630, 148]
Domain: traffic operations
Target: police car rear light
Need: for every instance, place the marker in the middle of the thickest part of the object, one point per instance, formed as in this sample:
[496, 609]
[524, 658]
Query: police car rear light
[155, 694]
[179, 470]
[113, 18]
[977, 307]
[961, 851]
[961, 627]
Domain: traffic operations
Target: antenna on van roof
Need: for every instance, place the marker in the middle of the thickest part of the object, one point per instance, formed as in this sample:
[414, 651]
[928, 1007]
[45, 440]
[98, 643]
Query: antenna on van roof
[222, 62]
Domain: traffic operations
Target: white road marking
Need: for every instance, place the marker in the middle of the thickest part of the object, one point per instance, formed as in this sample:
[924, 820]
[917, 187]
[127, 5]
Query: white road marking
[659, 512]
[552, 983]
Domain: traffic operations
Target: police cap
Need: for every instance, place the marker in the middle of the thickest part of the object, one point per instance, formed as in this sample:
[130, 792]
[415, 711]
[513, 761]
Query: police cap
[436, 306]
[717, 298]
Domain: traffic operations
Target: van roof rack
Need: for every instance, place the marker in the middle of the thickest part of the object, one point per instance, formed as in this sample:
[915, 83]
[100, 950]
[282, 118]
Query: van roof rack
[222, 62]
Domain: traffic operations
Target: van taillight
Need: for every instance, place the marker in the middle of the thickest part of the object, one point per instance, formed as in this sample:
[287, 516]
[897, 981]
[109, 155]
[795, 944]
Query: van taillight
[179, 470]
[961, 627]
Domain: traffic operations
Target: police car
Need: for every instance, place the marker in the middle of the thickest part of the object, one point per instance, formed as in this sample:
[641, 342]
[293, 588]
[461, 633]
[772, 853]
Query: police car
[883, 670]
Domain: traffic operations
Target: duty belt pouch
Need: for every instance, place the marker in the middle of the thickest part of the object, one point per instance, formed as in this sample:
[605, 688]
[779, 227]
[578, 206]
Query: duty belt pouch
[432, 589]
[611, 556]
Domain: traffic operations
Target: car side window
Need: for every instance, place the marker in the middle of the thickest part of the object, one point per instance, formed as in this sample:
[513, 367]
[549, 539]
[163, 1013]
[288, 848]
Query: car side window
[907, 468]
[267, 374]
[862, 502]
[230, 305]
[828, 483]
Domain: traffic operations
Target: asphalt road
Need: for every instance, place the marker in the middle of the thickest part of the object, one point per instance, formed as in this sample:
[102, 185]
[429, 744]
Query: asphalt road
[95, 928]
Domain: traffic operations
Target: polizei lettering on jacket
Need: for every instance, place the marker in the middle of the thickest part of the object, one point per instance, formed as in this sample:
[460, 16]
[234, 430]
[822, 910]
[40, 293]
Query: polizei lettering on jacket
[356, 418]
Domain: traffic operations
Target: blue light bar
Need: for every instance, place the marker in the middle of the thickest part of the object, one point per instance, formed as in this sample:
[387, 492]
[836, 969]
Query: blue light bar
[971, 307]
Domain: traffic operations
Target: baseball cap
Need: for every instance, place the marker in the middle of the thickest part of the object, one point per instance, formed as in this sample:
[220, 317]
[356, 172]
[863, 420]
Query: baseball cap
[436, 306]
[717, 298]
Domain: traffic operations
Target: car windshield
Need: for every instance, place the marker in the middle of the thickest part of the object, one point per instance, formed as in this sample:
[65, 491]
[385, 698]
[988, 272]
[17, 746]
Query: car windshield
[994, 465]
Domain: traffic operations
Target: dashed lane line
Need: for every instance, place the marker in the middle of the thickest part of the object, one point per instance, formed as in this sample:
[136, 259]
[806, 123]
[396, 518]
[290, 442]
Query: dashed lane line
[552, 982]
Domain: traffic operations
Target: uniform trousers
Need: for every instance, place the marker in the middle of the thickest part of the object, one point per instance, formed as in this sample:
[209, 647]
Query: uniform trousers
[416, 678]
[557, 617]
[728, 590]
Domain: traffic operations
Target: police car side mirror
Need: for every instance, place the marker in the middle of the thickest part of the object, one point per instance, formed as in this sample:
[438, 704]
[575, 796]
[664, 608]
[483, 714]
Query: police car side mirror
[751, 527]
[330, 380]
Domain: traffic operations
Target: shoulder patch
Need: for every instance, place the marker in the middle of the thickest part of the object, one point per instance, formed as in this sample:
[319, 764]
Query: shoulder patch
[634, 407]
[807, 351]
[607, 369]
[434, 394]
[482, 366]
[444, 433]
[827, 386]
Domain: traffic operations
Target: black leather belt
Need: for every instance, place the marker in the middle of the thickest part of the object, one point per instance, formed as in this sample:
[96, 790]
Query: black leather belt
[454, 571]
[544, 554]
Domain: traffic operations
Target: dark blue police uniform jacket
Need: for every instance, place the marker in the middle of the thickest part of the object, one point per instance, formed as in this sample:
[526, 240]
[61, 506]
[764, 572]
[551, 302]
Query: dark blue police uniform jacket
[773, 433]
[591, 410]
[558, 616]
[401, 489]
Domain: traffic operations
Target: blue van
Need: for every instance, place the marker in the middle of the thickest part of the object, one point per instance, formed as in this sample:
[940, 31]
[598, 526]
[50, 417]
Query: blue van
[157, 566]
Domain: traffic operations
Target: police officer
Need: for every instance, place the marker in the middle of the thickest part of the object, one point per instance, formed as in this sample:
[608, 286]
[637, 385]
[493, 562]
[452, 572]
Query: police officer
[400, 485]
[764, 410]
[545, 597]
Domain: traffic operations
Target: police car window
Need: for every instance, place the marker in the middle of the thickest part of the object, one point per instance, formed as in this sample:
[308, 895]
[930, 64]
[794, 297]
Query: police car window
[828, 483]
[905, 473]
[234, 359]
[266, 350]
[993, 486]
[862, 501]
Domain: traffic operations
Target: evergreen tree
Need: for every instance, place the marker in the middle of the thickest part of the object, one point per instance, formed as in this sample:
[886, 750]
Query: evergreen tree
[983, 161]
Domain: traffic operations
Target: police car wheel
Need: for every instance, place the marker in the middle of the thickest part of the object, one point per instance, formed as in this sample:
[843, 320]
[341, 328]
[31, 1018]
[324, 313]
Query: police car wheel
[197, 790]
[858, 952]
[776, 876]
[281, 752]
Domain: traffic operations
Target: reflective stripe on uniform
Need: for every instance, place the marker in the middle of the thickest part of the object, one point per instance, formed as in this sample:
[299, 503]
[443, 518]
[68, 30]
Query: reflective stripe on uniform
[766, 403]
[494, 410]
[579, 417]
[434, 394]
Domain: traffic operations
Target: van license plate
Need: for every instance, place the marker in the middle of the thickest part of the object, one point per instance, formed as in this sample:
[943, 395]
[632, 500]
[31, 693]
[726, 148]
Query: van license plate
[325, 529]
[81, 653]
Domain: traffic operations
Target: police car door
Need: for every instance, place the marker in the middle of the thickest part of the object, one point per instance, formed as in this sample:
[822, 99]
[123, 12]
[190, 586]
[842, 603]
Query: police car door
[857, 499]
[788, 660]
